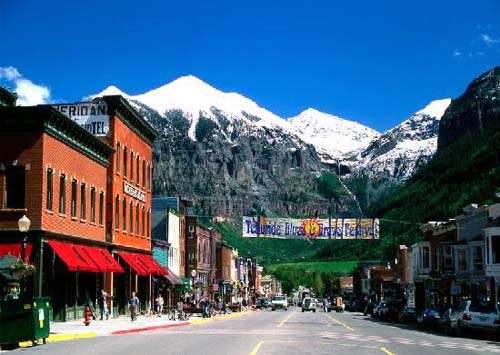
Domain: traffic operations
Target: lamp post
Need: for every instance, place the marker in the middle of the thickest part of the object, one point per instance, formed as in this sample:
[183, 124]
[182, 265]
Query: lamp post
[24, 225]
[193, 275]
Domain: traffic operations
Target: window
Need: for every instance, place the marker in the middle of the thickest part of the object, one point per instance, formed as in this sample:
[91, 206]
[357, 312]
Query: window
[143, 173]
[137, 220]
[447, 257]
[50, 179]
[124, 215]
[101, 208]
[149, 178]
[462, 260]
[73, 198]
[131, 166]
[92, 205]
[131, 226]
[477, 258]
[62, 194]
[117, 212]
[83, 202]
[495, 249]
[148, 230]
[426, 261]
[15, 189]
[137, 169]
[117, 163]
[124, 161]
[143, 213]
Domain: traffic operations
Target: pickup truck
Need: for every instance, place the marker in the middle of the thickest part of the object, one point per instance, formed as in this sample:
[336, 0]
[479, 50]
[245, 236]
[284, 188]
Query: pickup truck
[279, 302]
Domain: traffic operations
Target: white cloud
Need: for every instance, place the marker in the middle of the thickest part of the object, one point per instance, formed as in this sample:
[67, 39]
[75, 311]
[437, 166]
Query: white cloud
[28, 93]
[457, 53]
[489, 40]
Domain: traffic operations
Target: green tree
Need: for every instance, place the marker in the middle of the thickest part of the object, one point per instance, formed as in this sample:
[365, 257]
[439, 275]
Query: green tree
[317, 284]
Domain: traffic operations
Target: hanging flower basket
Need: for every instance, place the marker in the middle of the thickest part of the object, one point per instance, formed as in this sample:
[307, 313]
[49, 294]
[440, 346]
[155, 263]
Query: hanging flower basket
[21, 269]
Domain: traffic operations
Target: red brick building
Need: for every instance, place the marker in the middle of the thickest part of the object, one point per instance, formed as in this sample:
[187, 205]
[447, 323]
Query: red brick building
[54, 172]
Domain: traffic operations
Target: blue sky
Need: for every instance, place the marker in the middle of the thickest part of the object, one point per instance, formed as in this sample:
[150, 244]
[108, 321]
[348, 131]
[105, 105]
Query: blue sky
[374, 62]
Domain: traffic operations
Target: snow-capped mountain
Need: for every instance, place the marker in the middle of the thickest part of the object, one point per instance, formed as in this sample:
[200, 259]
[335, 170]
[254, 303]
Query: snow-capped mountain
[400, 151]
[332, 134]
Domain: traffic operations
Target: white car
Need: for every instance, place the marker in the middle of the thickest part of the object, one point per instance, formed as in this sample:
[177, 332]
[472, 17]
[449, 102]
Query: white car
[478, 315]
[279, 302]
[309, 304]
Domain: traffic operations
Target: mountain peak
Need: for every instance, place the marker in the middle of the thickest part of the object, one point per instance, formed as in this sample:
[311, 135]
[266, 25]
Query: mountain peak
[435, 108]
[110, 90]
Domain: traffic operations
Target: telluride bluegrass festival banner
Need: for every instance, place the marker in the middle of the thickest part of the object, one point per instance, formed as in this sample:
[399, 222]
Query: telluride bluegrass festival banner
[311, 228]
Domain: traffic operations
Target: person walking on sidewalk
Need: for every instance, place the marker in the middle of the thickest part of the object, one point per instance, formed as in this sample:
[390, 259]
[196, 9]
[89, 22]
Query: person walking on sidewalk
[103, 304]
[159, 304]
[133, 304]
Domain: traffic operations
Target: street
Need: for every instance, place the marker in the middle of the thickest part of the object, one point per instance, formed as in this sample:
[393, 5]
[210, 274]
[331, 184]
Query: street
[267, 332]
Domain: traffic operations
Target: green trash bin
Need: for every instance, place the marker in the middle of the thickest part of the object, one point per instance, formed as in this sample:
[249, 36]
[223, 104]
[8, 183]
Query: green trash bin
[24, 320]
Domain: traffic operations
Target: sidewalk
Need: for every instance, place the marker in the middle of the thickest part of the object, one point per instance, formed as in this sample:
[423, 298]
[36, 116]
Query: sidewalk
[61, 331]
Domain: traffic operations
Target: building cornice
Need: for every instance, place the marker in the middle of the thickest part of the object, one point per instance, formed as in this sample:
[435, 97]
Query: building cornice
[44, 118]
[120, 107]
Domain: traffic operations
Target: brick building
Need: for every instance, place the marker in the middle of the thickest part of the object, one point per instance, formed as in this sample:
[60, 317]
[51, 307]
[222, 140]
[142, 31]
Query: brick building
[63, 197]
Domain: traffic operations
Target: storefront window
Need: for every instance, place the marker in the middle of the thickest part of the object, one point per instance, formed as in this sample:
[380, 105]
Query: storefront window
[477, 258]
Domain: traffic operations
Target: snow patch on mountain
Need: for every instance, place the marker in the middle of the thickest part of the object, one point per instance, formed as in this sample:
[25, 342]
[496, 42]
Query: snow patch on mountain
[332, 134]
[400, 151]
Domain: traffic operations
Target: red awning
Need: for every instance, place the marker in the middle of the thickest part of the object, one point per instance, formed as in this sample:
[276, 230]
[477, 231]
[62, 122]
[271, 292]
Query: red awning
[143, 264]
[133, 262]
[14, 249]
[153, 265]
[104, 259]
[71, 258]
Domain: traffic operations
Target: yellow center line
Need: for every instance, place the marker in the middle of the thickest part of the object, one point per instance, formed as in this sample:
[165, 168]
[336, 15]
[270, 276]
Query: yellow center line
[386, 351]
[257, 347]
[286, 320]
[342, 324]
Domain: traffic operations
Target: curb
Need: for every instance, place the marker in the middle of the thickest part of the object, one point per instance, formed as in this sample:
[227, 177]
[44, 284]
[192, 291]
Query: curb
[154, 327]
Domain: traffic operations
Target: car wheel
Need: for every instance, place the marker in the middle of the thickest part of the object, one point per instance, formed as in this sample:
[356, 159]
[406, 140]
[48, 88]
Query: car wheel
[273, 309]
[302, 311]
[314, 310]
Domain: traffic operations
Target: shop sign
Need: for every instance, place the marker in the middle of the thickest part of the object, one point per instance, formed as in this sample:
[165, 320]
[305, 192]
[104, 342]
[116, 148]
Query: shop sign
[94, 117]
[134, 192]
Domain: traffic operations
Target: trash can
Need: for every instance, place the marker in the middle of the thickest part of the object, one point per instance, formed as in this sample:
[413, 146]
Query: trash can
[24, 320]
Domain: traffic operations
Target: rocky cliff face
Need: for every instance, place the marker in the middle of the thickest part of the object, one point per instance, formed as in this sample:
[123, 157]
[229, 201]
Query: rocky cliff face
[233, 168]
[475, 112]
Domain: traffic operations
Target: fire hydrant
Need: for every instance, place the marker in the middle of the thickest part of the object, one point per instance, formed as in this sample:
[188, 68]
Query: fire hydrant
[88, 316]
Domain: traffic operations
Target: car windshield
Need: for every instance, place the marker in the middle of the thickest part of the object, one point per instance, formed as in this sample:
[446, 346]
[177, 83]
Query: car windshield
[482, 307]
[279, 298]
[307, 301]
[410, 310]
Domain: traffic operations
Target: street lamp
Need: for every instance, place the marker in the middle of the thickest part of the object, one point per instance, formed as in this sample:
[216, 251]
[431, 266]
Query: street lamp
[24, 226]
[193, 275]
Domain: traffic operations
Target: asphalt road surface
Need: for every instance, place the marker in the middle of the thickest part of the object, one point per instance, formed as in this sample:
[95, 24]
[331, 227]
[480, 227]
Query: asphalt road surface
[279, 332]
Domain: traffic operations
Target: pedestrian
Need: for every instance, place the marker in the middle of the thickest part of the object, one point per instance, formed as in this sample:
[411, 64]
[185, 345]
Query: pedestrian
[103, 304]
[159, 304]
[133, 304]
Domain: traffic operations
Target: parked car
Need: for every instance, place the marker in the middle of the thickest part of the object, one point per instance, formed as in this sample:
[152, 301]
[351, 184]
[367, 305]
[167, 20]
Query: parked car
[393, 309]
[408, 315]
[369, 308]
[478, 315]
[261, 303]
[381, 310]
[279, 302]
[448, 323]
[428, 319]
[347, 305]
[359, 305]
[309, 304]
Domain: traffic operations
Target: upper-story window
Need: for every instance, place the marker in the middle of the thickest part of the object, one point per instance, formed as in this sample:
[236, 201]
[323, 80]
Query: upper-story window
[125, 161]
[117, 212]
[137, 219]
[495, 249]
[477, 258]
[83, 201]
[101, 208]
[137, 168]
[143, 173]
[131, 165]
[92, 204]
[131, 225]
[50, 182]
[62, 194]
[117, 163]
[447, 257]
[15, 186]
[143, 215]
[73, 197]
[124, 215]
[461, 254]
[426, 257]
